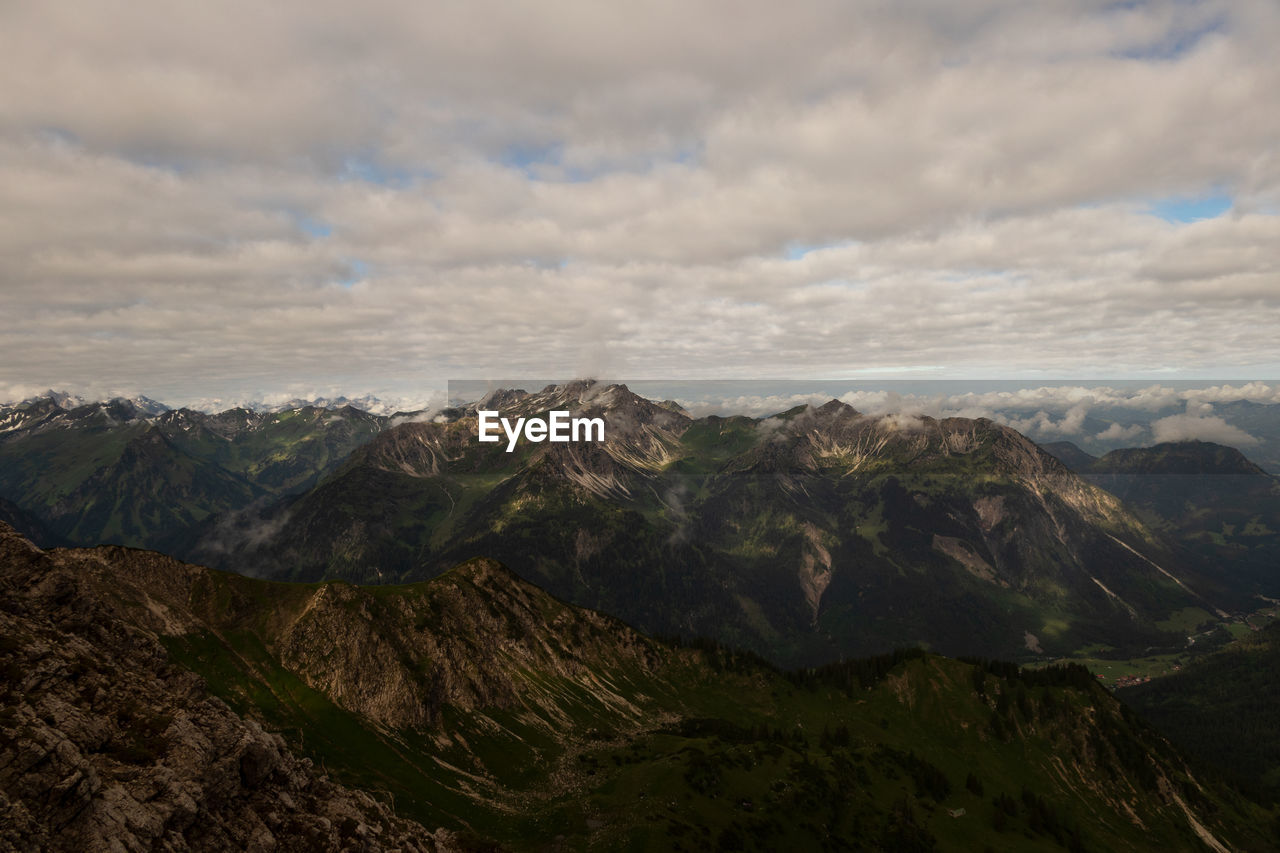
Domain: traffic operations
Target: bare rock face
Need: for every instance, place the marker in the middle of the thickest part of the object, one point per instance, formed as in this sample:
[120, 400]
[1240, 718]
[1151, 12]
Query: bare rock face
[106, 745]
[461, 640]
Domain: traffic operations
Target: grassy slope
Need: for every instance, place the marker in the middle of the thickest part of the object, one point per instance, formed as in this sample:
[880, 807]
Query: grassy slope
[288, 451]
[717, 750]
[39, 470]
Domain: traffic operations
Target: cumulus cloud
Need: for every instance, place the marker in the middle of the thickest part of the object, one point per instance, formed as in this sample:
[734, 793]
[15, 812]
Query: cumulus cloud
[770, 427]
[1042, 425]
[1199, 427]
[199, 202]
[901, 423]
[1116, 432]
[751, 405]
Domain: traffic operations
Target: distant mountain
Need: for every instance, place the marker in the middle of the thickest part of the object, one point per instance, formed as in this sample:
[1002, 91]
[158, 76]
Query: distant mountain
[43, 414]
[152, 494]
[1183, 458]
[63, 399]
[133, 473]
[279, 452]
[147, 405]
[1221, 509]
[478, 703]
[814, 534]
[71, 402]
[370, 403]
[1112, 426]
[366, 403]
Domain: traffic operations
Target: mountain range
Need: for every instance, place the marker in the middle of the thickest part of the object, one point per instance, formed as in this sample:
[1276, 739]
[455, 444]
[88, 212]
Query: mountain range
[686, 636]
[134, 473]
[808, 536]
[141, 695]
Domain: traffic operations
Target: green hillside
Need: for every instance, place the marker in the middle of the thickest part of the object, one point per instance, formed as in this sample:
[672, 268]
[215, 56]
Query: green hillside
[111, 473]
[478, 703]
[1224, 709]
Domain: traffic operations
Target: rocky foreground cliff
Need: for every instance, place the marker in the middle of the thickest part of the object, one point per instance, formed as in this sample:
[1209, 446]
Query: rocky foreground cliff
[106, 744]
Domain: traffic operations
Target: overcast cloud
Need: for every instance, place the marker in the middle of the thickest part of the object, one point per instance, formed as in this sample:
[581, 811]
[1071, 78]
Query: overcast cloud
[220, 200]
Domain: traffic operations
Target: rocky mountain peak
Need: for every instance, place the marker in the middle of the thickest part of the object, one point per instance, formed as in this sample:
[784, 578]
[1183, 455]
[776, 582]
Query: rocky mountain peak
[484, 572]
[836, 408]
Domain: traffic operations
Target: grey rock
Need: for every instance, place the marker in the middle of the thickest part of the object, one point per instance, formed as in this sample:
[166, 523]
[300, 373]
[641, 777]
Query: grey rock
[105, 745]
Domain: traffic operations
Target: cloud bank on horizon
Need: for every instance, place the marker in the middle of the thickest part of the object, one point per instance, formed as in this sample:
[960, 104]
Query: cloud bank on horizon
[236, 199]
[1097, 415]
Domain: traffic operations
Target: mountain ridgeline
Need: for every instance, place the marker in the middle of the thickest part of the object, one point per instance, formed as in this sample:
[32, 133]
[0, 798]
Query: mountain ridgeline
[140, 693]
[811, 535]
[131, 472]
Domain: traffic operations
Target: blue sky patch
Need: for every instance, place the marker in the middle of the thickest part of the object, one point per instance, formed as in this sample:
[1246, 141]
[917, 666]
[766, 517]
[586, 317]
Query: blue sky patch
[1190, 208]
[796, 250]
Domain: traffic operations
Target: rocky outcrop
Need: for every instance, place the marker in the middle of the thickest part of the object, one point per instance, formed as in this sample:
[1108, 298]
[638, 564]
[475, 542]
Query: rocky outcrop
[462, 640]
[106, 745]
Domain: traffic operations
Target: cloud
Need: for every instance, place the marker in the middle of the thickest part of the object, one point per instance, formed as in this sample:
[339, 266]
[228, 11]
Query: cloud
[1041, 425]
[1190, 427]
[427, 415]
[185, 195]
[1116, 432]
[901, 423]
[751, 405]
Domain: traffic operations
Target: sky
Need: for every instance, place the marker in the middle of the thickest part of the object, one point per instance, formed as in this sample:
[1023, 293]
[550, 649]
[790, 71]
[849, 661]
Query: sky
[236, 200]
